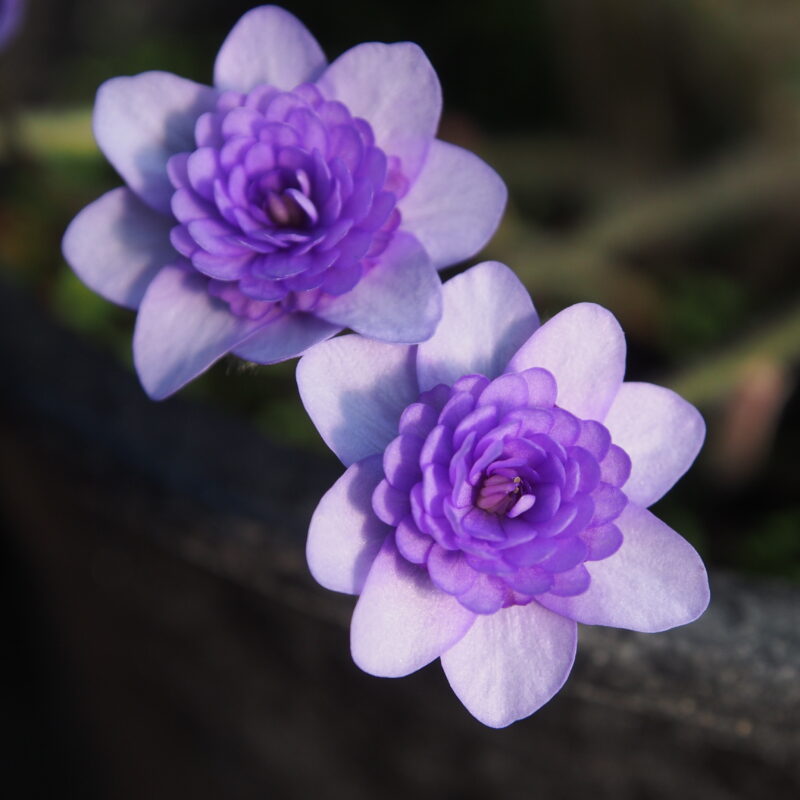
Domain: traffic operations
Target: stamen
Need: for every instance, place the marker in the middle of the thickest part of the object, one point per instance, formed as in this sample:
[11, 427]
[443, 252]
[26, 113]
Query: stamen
[291, 209]
[277, 209]
[499, 493]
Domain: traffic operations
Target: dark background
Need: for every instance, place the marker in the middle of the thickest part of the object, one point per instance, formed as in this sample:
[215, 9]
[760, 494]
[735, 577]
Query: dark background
[652, 154]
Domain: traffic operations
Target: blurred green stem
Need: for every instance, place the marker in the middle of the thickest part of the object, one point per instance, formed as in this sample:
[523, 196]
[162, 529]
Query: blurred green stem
[49, 134]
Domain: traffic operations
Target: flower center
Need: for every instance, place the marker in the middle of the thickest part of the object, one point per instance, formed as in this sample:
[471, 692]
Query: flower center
[499, 493]
[287, 200]
[291, 206]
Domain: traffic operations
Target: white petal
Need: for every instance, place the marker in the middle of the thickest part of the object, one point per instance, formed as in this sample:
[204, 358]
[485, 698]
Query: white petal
[455, 205]
[140, 122]
[402, 621]
[511, 663]
[399, 300]
[181, 331]
[117, 244]
[584, 348]
[268, 45]
[354, 390]
[345, 535]
[654, 582]
[487, 315]
[662, 434]
[289, 336]
[395, 89]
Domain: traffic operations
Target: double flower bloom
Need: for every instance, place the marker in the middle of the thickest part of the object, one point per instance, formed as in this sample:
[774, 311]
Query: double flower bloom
[498, 473]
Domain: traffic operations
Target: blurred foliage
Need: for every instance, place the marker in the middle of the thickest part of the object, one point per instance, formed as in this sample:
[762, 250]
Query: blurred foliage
[652, 152]
[776, 549]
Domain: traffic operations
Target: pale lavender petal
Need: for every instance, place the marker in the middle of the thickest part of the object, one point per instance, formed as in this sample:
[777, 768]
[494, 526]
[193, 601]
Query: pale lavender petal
[288, 336]
[455, 205]
[355, 390]
[399, 300]
[654, 582]
[511, 663]
[402, 621]
[662, 434]
[395, 88]
[268, 45]
[181, 331]
[140, 122]
[584, 348]
[117, 244]
[487, 315]
[345, 535]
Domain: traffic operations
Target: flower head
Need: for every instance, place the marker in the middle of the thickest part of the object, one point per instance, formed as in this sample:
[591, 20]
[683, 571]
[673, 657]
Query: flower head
[292, 199]
[11, 12]
[496, 493]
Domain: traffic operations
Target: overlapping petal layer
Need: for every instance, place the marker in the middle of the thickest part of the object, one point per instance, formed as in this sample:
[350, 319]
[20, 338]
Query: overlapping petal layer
[501, 454]
[285, 200]
[285, 189]
[499, 493]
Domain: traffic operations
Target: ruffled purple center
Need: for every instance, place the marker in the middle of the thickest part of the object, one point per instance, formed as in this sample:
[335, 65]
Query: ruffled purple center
[285, 201]
[499, 493]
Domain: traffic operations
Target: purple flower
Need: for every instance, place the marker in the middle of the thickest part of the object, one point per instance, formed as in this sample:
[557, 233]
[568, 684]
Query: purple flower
[11, 12]
[289, 201]
[496, 493]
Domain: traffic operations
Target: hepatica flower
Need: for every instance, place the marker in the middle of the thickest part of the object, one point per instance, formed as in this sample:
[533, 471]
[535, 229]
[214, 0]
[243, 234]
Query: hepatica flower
[496, 492]
[292, 199]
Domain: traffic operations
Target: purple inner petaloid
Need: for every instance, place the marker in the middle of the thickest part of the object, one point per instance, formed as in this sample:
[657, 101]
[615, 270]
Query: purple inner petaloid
[500, 494]
[286, 200]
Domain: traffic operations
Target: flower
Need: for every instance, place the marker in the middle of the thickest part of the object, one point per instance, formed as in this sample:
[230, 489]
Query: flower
[11, 12]
[496, 493]
[291, 200]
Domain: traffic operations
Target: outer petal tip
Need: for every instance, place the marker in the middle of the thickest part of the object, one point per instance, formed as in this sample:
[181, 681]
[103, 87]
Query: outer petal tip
[583, 346]
[511, 663]
[455, 205]
[181, 331]
[661, 432]
[654, 582]
[395, 88]
[140, 121]
[345, 535]
[116, 246]
[487, 314]
[402, 621]
[354, 390]
[268, 45]
[399, 300]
